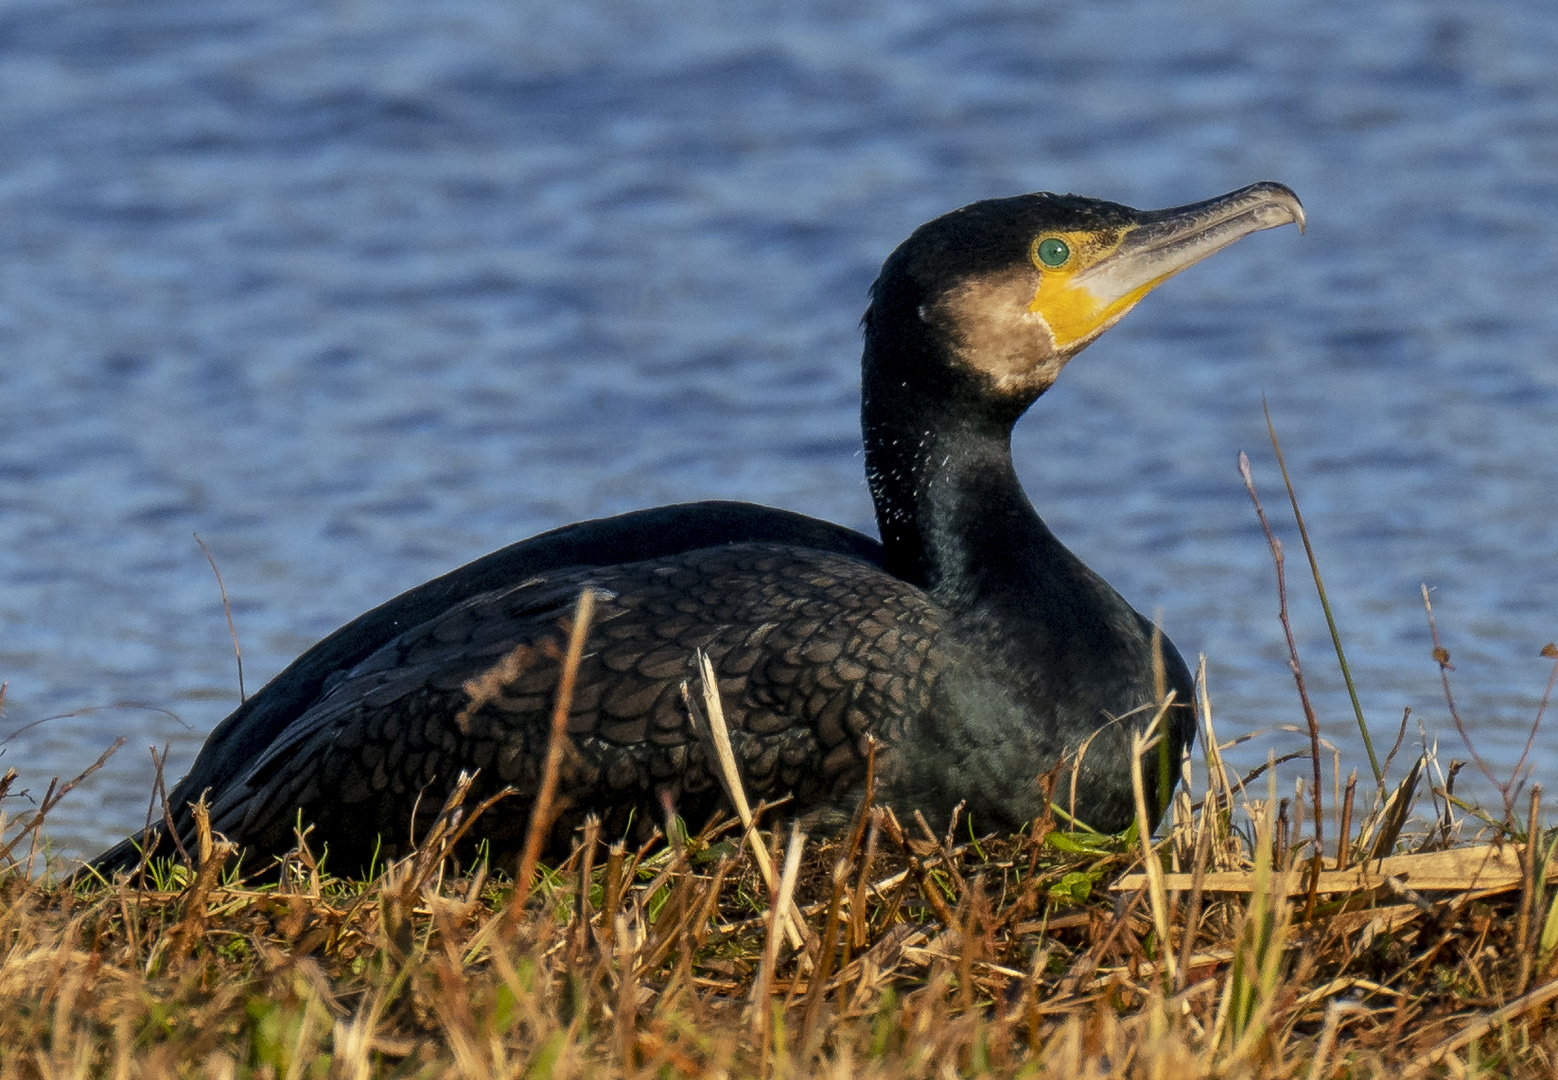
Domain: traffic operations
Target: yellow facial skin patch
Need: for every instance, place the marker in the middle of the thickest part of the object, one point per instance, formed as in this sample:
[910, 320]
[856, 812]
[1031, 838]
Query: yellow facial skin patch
[1066, 299]
[1088, 279]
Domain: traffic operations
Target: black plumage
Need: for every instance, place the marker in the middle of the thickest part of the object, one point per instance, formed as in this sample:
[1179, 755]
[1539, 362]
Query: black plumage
[970, 643]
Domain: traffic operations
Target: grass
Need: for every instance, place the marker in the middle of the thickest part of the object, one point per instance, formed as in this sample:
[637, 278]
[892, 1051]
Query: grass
[1221, 947]
[1394, 931]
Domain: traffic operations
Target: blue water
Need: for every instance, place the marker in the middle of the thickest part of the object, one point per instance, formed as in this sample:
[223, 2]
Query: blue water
[359, 291]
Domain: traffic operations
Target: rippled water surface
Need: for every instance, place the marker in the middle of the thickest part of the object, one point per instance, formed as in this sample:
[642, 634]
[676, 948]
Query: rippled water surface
[360, 291]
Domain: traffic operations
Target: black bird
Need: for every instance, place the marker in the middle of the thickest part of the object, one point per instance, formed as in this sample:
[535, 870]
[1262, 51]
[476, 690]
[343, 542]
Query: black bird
[969, 642]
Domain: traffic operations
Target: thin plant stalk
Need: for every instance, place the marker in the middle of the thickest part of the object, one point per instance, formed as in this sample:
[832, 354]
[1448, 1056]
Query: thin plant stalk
[227, 609]
[1325, 604]
[1298, 671]
[1156, 894]
[541, 812]
[730, 776]
[1441, 657]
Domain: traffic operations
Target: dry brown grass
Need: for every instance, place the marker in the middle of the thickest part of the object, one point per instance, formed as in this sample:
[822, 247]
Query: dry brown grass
[920, 955]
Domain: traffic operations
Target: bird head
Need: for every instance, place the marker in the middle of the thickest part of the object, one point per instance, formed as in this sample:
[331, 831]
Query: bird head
[1009, 290]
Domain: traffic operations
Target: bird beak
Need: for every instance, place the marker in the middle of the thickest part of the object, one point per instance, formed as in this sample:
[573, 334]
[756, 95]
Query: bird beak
[1164, 242]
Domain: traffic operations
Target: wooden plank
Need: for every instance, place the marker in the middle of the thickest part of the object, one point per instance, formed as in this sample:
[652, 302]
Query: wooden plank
[1486, 867]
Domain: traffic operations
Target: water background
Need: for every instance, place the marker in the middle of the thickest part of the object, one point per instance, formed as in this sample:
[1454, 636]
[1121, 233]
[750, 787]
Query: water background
[361, 290]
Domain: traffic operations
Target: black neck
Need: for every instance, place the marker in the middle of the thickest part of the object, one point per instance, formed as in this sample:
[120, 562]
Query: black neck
[952, 515]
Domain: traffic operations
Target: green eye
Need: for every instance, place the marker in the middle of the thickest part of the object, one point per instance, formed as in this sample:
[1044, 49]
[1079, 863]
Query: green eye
[1053, 251]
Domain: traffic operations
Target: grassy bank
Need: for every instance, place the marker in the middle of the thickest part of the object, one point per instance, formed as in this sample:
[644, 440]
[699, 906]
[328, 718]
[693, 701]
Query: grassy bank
[1055, 953]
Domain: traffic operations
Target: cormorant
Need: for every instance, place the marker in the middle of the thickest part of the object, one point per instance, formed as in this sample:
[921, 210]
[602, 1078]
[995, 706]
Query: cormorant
[969, 642]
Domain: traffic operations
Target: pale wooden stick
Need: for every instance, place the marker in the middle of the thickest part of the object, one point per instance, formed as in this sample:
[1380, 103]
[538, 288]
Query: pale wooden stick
[1480, 1027]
